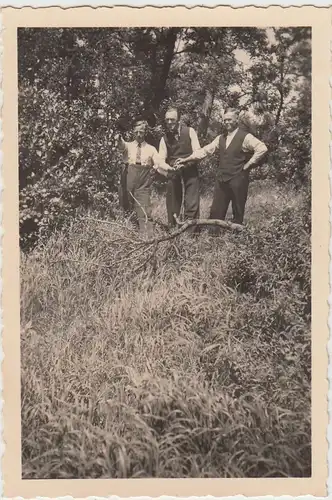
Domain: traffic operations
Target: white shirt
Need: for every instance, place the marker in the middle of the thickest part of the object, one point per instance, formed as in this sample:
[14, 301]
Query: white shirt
[194, 143]
[149, 154]
[250, 144]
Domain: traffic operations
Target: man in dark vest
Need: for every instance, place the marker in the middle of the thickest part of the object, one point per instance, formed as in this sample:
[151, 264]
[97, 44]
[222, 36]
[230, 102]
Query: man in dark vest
[180, 141]
[239, 151]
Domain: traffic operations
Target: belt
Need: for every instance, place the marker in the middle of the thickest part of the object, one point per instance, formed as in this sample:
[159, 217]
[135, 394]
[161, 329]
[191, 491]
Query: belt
[139, 165]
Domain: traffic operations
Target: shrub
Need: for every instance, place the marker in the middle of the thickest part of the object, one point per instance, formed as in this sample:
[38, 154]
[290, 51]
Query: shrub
[277, 255]
[67, 161]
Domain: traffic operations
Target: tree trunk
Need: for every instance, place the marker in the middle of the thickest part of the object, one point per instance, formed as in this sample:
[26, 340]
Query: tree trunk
[281, 91]
[159, 82]
[281, 105]
[205, 114]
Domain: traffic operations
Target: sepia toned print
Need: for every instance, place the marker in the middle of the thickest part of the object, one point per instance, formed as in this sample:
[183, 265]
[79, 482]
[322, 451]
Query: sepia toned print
[167, 226]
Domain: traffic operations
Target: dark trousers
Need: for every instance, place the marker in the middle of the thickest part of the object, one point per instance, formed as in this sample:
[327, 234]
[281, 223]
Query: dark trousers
[191, 195]
[234, 190]
[139, 181]
[125, 200]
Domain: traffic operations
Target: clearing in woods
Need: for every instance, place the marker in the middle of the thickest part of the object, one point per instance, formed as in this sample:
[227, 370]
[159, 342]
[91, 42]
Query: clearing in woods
[196, 366]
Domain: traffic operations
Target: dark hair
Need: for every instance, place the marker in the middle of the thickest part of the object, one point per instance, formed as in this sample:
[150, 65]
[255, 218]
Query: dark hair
[140, 120]
[232, 110]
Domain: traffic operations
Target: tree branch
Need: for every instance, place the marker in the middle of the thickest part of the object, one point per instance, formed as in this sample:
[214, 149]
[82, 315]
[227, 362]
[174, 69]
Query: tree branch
[209, 222]
[183, 226]
[137, 247]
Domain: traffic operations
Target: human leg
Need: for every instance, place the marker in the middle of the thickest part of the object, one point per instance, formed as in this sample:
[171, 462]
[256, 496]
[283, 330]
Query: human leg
[239, 191]
[220, 203]
[173, 199]
[139, 182]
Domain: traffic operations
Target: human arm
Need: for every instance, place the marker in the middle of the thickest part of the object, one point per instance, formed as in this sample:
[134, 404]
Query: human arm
[159, 163]
[200, 153]
[121, 143]
[194, 139]
[257, 147]
[162, 149]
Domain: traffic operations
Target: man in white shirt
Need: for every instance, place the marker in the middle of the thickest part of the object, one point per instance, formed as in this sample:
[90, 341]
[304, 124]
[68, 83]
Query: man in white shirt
[239, 151]
[180, 141]
[142, 159]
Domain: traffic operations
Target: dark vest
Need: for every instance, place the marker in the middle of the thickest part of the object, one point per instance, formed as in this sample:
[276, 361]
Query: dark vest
[178, 148]
[232, 159]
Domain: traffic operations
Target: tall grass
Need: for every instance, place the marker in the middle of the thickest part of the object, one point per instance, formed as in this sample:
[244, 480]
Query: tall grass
[194, 365]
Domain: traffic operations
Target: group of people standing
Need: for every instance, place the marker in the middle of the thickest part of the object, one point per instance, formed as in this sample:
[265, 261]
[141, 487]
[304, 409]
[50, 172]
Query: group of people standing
[177, 159]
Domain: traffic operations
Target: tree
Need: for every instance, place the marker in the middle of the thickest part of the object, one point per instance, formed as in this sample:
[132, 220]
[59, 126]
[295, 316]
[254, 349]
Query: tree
[77, 85]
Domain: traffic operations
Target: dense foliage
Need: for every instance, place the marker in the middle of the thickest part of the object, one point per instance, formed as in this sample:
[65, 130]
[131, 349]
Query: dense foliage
[75, 85]
[196, 362]
[197, 365]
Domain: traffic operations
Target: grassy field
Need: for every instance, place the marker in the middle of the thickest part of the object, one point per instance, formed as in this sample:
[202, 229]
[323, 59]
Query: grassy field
[197, 364]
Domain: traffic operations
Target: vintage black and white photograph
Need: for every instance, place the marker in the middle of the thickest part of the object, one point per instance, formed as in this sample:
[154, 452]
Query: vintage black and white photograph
[165, 252]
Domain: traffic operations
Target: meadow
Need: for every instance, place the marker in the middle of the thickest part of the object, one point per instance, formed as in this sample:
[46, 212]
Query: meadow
[196, 363]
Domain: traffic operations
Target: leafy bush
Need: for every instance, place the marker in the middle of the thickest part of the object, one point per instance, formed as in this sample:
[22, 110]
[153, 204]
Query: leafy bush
[278, 255]
[68, 161]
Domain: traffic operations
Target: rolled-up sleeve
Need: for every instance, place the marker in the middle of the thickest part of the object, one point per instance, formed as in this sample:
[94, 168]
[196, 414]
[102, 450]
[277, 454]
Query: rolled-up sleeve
[194, 140]
[122, 145]
[158, 161]
[162, 149]
[208, 150]
[252, 144]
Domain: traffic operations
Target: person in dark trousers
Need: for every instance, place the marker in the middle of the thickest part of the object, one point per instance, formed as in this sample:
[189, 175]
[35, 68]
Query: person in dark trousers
[124, 199]
[126, 202]
[239, 151]
[180, 141]
[142, 159]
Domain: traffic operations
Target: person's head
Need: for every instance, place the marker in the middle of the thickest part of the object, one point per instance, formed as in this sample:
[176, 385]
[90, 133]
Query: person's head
[231, 119]
[140, 129]
[172, 119]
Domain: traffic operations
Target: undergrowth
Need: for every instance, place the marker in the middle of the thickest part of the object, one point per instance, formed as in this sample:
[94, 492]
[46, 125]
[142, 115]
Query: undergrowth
[194, 365]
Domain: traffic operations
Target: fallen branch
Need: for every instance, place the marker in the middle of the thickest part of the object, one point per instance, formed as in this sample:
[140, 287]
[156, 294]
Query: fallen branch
[140, 242]
[111, 223]
[136, 247]
[209, 222]
[150, 257]
[183, 226]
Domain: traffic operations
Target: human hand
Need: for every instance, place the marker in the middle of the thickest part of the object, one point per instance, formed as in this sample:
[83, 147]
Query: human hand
[171, 172]
[247, 165]
[166, 170]
[179, 163]
[117, 137]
